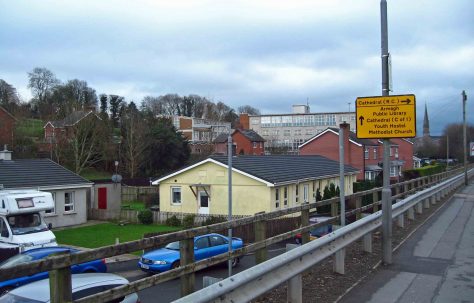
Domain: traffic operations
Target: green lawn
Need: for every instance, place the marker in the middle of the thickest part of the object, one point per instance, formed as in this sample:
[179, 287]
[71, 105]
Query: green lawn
[104, 234]
[134, 205]
[93, 174]
[30, 128]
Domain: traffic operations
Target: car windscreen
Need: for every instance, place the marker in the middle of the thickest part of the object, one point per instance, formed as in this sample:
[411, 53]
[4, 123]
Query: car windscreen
[173, 245]
[26, 223]
[15, 260]
[11, 298]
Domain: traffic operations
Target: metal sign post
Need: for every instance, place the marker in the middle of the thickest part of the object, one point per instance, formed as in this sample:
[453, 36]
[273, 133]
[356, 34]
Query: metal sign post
[229, 172]
[386, 191]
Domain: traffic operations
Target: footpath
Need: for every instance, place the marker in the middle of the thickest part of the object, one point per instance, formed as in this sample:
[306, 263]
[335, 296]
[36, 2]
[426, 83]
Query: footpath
[436, 264]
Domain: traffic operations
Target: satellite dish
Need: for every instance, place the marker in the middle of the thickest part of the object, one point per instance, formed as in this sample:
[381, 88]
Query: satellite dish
[116, 178]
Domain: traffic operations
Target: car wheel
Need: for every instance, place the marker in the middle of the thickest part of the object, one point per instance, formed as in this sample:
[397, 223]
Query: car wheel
[175, 265]
[4, 290]
[235, 261]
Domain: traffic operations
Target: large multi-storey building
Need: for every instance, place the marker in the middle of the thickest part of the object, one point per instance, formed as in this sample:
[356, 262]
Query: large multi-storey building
[285, 132]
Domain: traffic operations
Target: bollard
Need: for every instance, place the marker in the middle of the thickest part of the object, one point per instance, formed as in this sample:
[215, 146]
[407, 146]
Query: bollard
[411, 214]
[433, 200]
[438, 196]
[295, 284]
[367, 240]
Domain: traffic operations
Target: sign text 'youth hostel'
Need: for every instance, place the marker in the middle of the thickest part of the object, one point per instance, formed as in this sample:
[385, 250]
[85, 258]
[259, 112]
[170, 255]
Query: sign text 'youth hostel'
[386, 117]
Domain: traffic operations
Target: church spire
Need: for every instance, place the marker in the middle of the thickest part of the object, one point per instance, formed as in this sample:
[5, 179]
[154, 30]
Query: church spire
[426, 124]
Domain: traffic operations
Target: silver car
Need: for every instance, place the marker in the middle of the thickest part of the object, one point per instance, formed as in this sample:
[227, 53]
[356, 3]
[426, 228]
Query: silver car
[83, 285]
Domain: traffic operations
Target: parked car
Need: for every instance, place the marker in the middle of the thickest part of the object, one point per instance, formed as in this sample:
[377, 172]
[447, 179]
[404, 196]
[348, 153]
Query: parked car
[82, 285]
[40, 253]
[205, 246]
[318, 231]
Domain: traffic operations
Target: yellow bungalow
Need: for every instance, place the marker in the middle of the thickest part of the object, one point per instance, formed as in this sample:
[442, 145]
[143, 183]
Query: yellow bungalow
[259, 183]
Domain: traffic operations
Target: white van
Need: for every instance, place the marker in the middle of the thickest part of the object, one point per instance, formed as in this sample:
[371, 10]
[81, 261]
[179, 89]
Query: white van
[21, 224]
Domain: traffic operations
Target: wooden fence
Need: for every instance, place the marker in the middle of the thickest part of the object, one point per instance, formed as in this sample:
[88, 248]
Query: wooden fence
[131, 193]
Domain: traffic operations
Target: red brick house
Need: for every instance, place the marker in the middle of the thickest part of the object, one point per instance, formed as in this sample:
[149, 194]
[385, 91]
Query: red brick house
[55, 131]
[326, 144]
[245, 141]
[363, 154]
[7, 126]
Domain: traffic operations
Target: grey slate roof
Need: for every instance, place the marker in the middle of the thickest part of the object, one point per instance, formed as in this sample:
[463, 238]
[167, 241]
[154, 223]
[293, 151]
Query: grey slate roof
[26, 173]
[221, 138]
[286, 168]
[251, 135]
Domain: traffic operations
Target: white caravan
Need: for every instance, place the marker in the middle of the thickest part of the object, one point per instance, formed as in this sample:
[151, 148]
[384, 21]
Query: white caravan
[21, 224]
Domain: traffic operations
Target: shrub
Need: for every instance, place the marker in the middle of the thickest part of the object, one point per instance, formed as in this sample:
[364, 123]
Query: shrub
[188, 221]
[145, 216]
[173, 221]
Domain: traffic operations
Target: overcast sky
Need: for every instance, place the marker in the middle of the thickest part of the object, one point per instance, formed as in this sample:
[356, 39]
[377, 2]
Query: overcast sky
[266, 53]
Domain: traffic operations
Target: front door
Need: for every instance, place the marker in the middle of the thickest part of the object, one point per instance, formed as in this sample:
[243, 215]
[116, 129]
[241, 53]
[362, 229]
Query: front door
[102, 193]
[203, 200]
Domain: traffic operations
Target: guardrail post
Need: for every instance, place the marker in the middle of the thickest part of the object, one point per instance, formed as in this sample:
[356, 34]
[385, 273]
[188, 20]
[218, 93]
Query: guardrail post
[339, 257]
[433, 199]
[397, 190]
[401, 220]
[411, 214]
[295, 284]
[375, 198]
[260, 235]
[186, 248]
[60, 285]
[304, 223]
[426, 203]
[367, 240]
[419, 208]
[405, 189]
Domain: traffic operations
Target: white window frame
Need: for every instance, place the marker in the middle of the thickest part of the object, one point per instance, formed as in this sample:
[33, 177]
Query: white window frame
[393, 171]
[71, 203]
[305, 193]
[297, 192]
[254, 144]
[285, 196]
[52, 211]
[172, 189]
[277, 198]
[375, 153]
[366, 153]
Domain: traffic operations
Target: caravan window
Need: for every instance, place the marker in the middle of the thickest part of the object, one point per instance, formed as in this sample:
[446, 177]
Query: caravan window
[26, 224]
[4, 229]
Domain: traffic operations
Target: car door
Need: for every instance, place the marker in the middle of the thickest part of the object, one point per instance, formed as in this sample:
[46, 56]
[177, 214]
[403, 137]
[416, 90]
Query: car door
[201, 248]
[219, 245]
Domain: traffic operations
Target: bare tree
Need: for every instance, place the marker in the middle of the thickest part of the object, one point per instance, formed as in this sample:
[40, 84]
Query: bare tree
[42, 81]
[248, 110]
[85, 143]
[134, 140]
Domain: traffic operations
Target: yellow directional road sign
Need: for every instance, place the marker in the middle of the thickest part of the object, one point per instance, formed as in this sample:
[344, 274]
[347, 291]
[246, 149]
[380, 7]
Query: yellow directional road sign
[386, 117]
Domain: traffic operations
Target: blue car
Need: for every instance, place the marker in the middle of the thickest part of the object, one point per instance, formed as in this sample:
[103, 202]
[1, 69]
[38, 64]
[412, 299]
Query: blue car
[40, 253]
[205, 246]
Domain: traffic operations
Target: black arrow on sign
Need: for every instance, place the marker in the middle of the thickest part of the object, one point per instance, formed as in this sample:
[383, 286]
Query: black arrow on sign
[361, 118]
[407, 101]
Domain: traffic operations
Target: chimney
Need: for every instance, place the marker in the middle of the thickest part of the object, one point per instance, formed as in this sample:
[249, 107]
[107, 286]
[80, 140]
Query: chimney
[5, 154]
[345, 131]
[244, 121]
